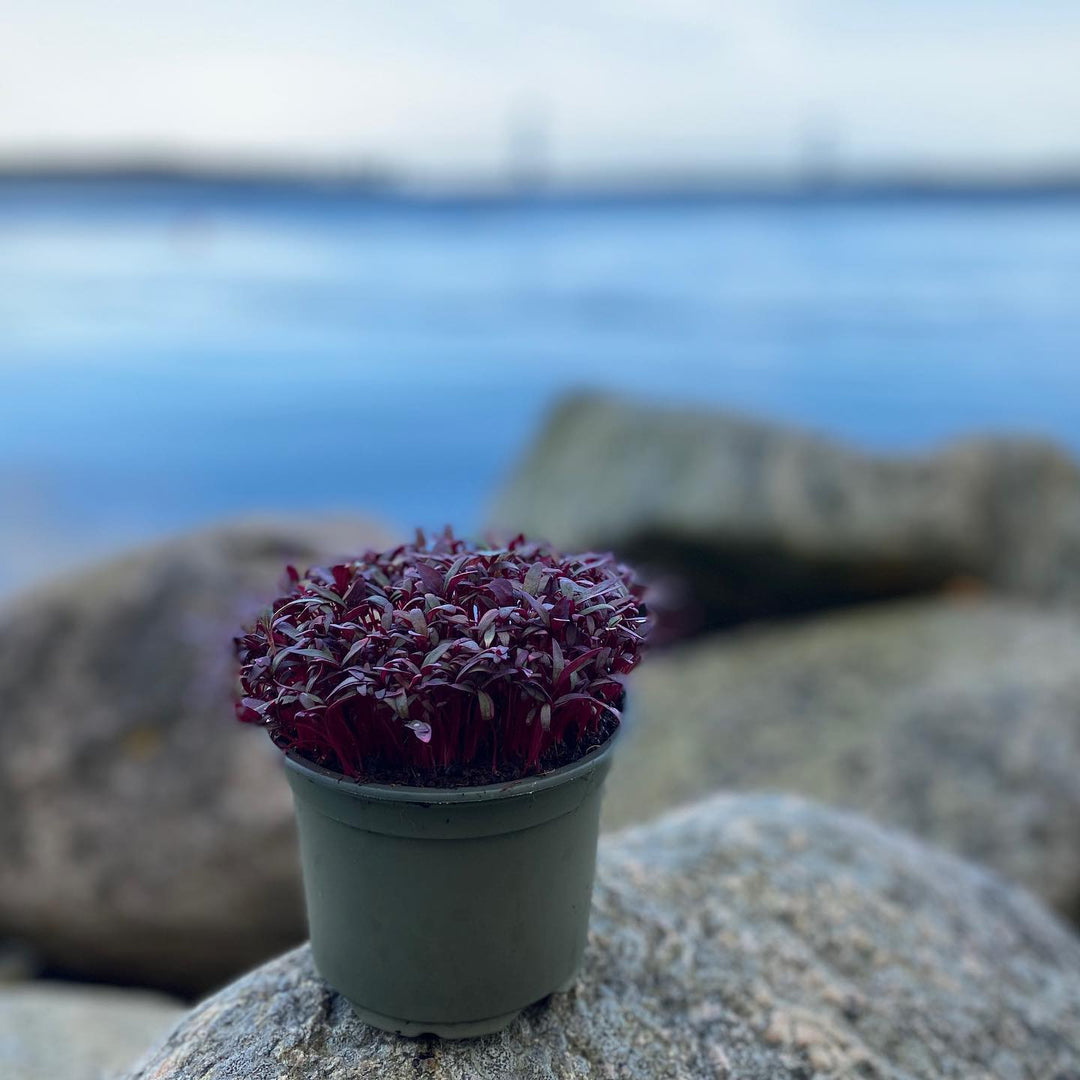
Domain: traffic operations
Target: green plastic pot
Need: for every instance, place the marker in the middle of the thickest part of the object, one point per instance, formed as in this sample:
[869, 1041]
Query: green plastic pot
[448, 911]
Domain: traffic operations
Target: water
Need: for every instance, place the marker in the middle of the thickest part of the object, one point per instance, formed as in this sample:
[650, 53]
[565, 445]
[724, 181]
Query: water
[174, 353]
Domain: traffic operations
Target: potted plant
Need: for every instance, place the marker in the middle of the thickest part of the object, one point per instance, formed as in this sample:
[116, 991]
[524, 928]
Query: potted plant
[447, 714]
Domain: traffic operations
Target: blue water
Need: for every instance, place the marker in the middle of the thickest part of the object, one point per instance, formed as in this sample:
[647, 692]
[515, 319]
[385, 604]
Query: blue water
[173, 353]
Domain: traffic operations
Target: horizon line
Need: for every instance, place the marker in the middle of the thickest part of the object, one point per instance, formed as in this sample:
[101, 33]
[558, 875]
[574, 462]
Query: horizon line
[376, 179]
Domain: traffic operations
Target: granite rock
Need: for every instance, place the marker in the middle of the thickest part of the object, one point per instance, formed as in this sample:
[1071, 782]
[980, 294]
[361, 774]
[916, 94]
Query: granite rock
[958, 720]
[740, 519]
[147, 836]
[750, 937]
[57, 1031]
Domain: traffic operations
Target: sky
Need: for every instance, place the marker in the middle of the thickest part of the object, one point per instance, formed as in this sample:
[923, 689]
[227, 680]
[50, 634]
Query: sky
[604, 86]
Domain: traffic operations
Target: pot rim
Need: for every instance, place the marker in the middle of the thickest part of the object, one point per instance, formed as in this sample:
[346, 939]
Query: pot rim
[404, 793]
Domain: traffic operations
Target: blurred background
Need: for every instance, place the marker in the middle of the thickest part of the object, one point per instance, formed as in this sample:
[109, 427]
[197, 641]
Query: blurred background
[337, 256]
[280, 281]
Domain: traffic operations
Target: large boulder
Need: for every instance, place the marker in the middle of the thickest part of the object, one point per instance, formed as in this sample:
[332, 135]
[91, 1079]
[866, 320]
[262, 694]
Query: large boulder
[747, 519]
[758, 938]
[147, 836]
[955, 719]
[56, 1031]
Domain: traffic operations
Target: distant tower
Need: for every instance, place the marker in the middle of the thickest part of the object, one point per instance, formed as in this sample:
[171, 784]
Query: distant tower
[527, 148]
[819, 152]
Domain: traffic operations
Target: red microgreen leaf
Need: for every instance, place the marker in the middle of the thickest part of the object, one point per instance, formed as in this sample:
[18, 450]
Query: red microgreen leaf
[495, 662]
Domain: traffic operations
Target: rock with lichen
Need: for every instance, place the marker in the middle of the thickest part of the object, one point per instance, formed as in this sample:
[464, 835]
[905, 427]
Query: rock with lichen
[740, 519]
[147, 837]
[958, 720]
[67, 1031]
[749, 937]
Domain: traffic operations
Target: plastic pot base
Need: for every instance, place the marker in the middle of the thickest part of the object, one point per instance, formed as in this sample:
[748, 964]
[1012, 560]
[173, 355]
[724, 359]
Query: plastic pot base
[469, 1029]
[413, 1029]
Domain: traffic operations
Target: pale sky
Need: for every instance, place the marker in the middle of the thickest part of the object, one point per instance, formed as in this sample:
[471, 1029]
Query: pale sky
[432, 87]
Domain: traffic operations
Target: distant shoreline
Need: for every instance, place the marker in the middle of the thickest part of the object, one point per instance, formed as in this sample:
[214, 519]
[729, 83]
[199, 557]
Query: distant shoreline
[382, 187]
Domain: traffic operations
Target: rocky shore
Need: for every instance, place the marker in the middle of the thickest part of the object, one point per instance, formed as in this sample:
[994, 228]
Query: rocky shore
[850, 778]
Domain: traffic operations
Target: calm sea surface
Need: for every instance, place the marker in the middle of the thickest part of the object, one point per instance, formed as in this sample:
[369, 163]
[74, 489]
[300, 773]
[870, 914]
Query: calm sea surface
[174, 353]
